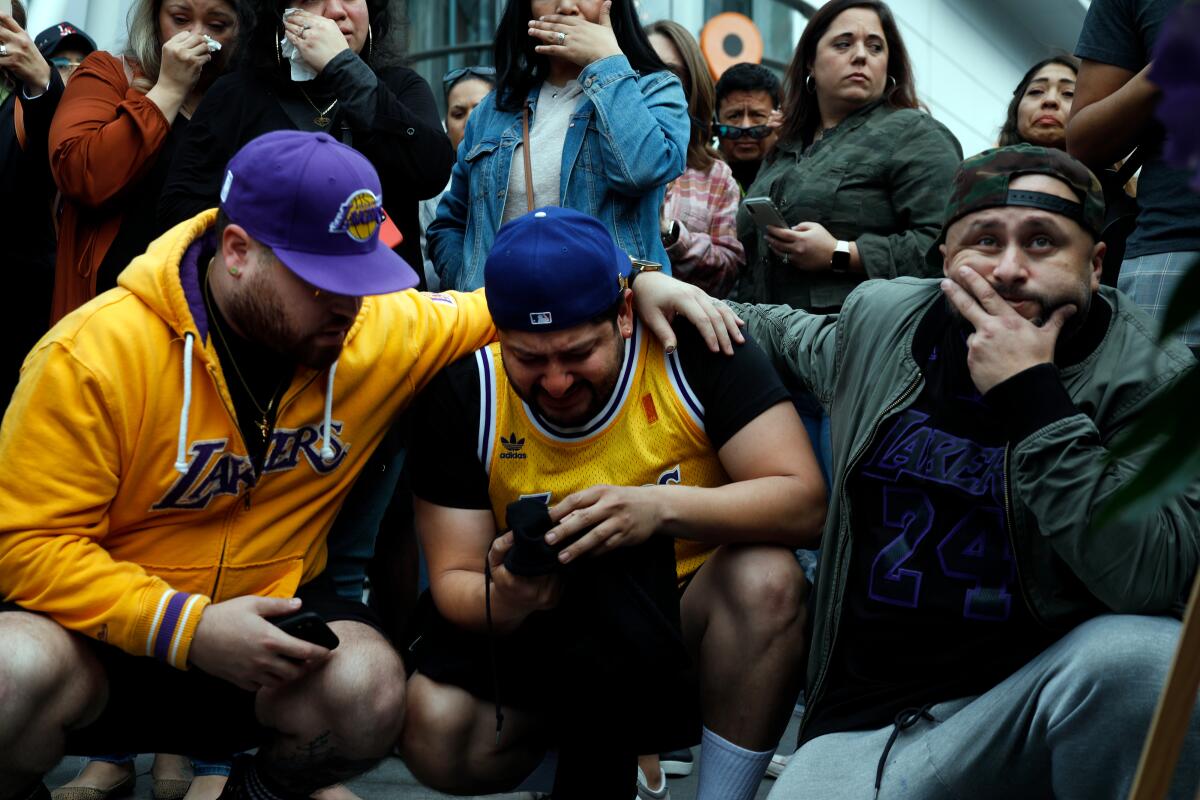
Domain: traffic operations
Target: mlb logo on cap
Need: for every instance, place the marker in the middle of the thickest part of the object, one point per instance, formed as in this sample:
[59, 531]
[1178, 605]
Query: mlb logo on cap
[551, 269]
[318, 205]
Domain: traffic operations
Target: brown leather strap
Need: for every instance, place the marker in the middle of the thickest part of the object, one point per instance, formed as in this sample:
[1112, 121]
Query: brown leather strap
[525, 153]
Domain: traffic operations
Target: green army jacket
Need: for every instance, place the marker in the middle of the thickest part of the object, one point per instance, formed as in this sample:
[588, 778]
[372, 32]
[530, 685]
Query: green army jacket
[881, 179]
[860, 366]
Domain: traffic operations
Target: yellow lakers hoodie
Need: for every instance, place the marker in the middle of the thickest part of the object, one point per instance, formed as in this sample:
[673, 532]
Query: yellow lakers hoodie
[127, 501]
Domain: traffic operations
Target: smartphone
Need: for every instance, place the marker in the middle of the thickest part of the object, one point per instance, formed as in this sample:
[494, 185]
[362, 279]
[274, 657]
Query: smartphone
[764, 213]
[308, 626]
[6, 7]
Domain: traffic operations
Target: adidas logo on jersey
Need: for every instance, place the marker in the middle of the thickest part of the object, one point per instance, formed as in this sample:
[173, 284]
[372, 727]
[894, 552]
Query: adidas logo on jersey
[512, 446]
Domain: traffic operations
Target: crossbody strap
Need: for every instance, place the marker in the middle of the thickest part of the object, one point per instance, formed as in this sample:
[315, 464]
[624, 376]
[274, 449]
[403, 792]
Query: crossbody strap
[525, 153]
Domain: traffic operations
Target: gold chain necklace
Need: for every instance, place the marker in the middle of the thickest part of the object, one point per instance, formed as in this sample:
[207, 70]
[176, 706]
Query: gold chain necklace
[264, 414]
[321, 118]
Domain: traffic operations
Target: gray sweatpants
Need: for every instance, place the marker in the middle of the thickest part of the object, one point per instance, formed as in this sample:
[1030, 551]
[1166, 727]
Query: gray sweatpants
[1069, 724]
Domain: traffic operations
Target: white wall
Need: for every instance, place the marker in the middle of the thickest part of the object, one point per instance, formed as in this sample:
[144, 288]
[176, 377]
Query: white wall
[104, 20]
[968, 55]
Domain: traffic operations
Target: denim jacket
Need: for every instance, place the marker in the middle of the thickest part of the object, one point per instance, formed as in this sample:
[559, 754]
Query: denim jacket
[626, 141]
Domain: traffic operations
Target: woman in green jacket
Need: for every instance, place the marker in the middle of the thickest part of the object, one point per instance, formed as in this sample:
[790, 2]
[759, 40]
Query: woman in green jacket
[860, 173]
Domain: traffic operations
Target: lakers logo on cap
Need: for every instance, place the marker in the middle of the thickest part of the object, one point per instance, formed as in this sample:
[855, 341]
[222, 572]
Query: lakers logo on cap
[359, 216]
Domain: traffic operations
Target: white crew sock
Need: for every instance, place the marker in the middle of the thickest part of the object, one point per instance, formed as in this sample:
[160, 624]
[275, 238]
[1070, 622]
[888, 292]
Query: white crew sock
[729, 772]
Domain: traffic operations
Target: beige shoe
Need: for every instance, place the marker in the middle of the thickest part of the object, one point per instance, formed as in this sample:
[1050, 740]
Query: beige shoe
[177, 769]
[69, 792]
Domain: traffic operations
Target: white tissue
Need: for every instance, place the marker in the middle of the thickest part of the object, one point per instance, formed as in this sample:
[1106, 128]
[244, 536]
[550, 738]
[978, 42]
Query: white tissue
[301, 71]
[213, 44]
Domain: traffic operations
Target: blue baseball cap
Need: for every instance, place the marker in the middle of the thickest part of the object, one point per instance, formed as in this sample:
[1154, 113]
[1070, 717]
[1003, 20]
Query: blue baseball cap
[552, 269]
[318, 205]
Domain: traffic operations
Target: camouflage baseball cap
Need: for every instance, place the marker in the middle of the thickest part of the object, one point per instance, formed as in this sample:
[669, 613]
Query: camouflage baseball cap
[982, 182]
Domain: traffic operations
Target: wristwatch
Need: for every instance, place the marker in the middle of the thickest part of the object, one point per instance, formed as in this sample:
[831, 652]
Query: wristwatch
[638, 267]
[672, 235]
[841, 258]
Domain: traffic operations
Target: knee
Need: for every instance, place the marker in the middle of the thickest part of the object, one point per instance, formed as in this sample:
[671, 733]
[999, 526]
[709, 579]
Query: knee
[1121, 655]
[365, 701]
[358, 695]
[40, 663]
[766, 587]
[48, 683]
[435, 742]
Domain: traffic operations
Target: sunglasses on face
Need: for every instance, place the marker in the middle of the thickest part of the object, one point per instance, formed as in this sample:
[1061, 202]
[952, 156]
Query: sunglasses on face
[734, 132]
[455, 75]
[65, 63]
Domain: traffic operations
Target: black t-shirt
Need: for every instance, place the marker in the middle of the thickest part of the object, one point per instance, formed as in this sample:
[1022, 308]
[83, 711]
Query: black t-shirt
[444, 465]
[1122, 33]
[256, 376]
[933, 607]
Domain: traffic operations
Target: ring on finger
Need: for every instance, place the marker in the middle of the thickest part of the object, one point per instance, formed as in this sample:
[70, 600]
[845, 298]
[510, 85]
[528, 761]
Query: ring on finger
[3, 50]
[562, 38]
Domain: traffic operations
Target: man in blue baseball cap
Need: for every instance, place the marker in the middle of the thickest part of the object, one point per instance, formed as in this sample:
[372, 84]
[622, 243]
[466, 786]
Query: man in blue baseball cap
[630, 446]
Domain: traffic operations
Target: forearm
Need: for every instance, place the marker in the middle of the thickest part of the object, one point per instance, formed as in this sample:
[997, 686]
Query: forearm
[1102, 132]
[95, 160]
[894, 255]
[39, 113]
[396, 127]
[461, 598]
[1143, 563]
[776, 509]
[644, 134]
[168, 98]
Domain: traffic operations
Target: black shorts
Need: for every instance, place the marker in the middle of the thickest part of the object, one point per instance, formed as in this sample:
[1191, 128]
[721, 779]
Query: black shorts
[155, 708]
[610, 656]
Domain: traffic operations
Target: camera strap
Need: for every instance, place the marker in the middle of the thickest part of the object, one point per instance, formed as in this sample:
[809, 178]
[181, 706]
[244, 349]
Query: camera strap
[487, 606]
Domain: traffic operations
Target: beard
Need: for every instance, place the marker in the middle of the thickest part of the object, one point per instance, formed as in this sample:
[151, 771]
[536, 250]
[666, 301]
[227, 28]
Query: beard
[260, 316]
[597, 394]
[1046, 307]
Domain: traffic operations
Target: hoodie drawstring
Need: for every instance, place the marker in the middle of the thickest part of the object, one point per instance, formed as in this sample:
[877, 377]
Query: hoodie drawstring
[181, 464]
[326, 425]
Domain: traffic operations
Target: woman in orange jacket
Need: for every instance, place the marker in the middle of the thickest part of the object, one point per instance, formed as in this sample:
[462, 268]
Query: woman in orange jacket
[115, 131]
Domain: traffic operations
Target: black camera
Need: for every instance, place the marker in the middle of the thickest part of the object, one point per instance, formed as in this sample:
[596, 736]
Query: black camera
[530, 556]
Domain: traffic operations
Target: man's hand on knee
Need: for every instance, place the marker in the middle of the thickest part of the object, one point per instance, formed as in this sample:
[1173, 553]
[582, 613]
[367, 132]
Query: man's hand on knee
[235, 641]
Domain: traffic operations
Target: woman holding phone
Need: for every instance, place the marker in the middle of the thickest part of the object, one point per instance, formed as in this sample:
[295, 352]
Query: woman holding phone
[860, 174]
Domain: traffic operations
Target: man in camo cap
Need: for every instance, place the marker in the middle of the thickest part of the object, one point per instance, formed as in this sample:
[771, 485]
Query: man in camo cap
[977, 630]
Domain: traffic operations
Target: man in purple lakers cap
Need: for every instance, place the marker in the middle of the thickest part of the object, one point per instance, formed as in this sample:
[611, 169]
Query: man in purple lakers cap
[172, 461]
[980, 629]
[630, 445]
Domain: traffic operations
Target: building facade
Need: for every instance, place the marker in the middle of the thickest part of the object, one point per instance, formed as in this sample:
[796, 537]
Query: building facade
[967, 54]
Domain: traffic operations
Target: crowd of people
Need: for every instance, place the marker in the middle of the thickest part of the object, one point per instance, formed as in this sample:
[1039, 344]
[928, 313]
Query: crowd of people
[618, 411]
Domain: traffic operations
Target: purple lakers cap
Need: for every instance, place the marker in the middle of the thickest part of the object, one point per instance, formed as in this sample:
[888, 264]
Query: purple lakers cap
[551, 269]
[318, 205]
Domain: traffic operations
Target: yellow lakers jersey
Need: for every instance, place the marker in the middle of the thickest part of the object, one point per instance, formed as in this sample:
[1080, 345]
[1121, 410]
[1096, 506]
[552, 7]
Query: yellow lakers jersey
[651, 431]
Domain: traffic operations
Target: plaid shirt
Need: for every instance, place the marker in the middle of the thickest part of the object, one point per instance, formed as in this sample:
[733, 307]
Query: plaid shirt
[708, 253]
[1151, 281]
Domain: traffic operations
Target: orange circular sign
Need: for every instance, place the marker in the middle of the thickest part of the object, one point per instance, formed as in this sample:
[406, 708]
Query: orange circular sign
[729, 39]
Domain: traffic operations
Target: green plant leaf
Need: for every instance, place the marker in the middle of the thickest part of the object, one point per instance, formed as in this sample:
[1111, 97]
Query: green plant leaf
[1185, 301]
